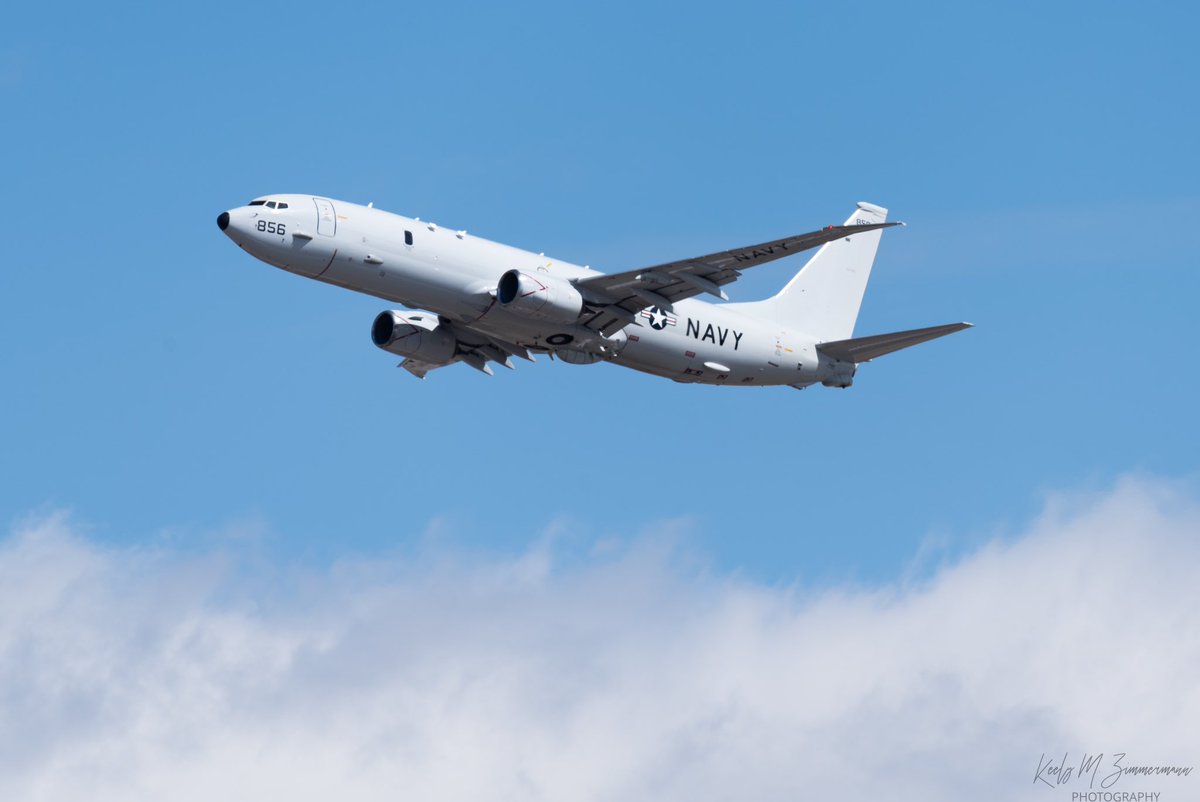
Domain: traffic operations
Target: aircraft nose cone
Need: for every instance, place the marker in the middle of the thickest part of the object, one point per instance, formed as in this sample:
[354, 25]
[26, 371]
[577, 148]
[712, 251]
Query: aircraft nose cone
[223, 220]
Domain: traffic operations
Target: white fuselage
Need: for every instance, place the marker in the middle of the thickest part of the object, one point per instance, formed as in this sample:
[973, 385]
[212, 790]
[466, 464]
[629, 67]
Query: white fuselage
[453, 274]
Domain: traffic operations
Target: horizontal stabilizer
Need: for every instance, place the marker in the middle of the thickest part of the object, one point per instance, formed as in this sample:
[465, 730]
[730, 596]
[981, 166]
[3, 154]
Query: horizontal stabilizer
[864, 349]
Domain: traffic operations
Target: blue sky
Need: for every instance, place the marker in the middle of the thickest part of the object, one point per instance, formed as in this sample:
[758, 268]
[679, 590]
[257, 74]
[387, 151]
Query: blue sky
[164, 386]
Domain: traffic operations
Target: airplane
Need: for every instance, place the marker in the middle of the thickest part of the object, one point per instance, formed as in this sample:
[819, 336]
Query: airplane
[488, 303]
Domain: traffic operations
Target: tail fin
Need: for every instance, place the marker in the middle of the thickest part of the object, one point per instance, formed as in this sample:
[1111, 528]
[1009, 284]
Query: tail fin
[824, 297]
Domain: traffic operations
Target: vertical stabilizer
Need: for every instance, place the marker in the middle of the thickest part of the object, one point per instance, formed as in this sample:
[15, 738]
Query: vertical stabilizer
[824, 297]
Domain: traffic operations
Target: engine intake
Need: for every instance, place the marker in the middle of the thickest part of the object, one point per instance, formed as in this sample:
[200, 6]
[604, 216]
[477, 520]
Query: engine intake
[541, 296]
[417, 336]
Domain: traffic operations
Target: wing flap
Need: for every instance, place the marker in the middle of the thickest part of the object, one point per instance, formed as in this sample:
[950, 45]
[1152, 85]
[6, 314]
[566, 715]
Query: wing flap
[864, 349]
[419, 367]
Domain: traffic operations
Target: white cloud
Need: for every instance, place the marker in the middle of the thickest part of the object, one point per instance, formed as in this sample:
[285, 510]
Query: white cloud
[140, 674]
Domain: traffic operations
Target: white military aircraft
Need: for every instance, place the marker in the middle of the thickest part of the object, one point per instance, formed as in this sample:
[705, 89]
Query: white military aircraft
[489, 302]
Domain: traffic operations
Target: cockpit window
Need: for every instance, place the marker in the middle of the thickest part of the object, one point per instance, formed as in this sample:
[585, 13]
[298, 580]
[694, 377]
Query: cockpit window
[270, 204]
[282, 205]
[256, 203]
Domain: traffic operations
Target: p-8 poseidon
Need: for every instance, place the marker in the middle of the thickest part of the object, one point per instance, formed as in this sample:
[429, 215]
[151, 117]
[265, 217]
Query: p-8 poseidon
[489, 302]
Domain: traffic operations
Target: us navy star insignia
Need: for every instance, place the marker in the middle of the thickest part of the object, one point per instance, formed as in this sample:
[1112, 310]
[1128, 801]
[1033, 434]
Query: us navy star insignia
[659, 319]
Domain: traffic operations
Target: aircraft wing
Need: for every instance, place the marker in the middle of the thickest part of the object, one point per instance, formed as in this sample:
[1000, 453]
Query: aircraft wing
[864, 349]
[473, 348]
[615, 299]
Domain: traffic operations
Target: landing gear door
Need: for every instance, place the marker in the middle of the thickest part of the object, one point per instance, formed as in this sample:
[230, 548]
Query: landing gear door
[326, 217]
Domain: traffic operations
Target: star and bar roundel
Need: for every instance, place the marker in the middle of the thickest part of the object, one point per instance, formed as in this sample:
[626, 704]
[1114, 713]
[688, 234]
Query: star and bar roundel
[659, 318]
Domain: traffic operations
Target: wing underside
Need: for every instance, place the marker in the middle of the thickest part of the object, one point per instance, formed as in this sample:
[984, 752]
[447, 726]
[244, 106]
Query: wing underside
[472, 348]
[614, 300]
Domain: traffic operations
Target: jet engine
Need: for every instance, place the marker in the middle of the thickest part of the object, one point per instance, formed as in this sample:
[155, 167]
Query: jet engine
[541, 296]
[417, 336]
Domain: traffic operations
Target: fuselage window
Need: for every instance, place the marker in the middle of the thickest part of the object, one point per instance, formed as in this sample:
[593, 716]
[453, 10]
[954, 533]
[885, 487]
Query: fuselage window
[256, 203]
[408, 238]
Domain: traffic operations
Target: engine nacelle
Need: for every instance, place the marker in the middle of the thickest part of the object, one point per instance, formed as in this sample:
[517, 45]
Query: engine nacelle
[418, 336]
[541, 296]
